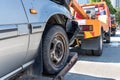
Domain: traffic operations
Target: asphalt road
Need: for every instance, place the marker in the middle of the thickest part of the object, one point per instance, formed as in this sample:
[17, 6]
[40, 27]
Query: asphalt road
[105, 67]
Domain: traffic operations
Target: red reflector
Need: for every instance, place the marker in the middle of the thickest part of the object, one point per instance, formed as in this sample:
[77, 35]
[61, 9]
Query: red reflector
[96, 6]
[87, 28]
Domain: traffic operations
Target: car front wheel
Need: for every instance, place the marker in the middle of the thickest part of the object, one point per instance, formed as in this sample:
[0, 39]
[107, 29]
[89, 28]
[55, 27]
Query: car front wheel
[55, 49]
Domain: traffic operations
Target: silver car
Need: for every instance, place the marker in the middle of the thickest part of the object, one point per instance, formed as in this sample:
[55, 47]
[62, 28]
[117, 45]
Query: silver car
[33, 30]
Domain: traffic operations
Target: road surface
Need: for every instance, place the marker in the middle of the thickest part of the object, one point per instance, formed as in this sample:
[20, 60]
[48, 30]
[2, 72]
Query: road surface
[105, 67]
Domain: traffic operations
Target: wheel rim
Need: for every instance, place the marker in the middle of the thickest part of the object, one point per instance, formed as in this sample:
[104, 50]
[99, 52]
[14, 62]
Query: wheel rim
[57, 50]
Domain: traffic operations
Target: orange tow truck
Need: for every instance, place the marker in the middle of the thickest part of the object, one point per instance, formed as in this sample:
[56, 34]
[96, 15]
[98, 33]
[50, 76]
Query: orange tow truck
[94, 23]
[113, 25]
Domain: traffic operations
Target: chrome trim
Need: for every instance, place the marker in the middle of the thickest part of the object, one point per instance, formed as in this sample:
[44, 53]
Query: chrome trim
[36, 28]
[17, 70]
[7, 31]
[28, 64]
[10, 74]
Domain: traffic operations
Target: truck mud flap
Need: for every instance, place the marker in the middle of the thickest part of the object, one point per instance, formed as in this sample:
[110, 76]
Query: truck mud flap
[90, 44]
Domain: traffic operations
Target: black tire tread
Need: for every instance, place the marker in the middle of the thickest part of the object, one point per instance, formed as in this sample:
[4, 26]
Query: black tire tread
[48, 69]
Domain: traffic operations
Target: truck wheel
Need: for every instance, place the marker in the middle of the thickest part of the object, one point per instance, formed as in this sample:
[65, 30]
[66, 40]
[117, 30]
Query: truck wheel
[113, 34]
[100, 47]
[55, 49]
[113, 30]
[108, 35]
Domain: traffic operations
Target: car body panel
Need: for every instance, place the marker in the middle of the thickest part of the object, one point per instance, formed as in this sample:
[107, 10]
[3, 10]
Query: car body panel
[21, 31]
[12, 12]
[13, 45]
[38, 21]
[45, 9]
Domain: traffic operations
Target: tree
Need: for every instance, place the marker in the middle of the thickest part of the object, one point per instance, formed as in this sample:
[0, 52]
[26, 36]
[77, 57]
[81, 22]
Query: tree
[112, 10]
[91, 1]
[117, 15]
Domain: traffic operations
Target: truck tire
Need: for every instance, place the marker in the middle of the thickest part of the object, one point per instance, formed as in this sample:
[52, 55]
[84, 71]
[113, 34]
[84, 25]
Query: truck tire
[108, 35]
[113, 33]
[100, 47]
[55, 49]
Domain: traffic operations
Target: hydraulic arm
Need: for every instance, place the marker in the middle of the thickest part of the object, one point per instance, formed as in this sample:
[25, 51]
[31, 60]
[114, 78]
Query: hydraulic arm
[77, 8]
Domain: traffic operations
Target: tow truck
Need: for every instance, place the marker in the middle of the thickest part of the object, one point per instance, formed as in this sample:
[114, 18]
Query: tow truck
[113, 25]
[94, 23]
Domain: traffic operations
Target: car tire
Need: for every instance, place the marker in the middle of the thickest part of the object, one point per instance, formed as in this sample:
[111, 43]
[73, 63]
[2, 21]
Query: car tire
[55, 49]
[100, 47]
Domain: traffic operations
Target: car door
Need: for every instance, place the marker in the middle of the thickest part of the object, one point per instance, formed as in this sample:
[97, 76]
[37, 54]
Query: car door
[36, 26]
[13, 35]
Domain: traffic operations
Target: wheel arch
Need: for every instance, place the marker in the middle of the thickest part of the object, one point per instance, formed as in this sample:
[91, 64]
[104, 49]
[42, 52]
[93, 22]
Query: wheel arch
[57, 19]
